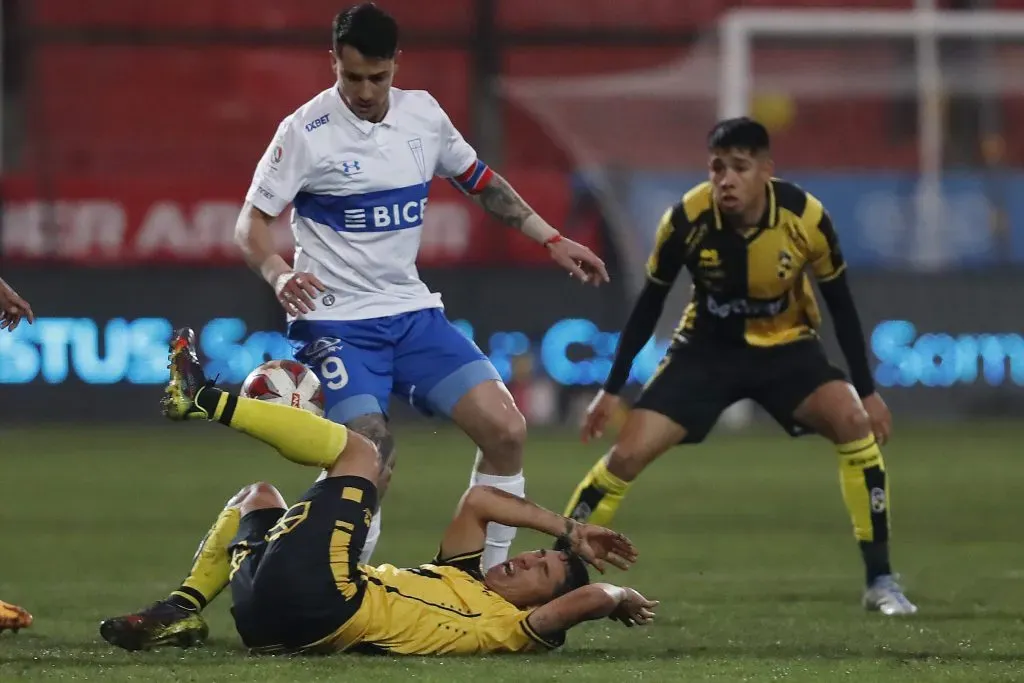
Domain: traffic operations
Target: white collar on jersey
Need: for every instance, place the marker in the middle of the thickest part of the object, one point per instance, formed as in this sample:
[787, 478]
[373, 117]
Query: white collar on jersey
[365, 127]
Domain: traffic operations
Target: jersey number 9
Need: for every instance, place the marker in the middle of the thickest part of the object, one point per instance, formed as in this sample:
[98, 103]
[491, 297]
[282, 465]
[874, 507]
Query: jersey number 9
[333, 372]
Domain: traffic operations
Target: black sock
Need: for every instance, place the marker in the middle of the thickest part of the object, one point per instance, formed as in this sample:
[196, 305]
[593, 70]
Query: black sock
[188, 598]
[876, 559]
[208, 399]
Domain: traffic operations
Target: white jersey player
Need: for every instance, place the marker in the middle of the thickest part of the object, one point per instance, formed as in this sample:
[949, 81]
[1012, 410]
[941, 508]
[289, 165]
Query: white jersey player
[356, 163]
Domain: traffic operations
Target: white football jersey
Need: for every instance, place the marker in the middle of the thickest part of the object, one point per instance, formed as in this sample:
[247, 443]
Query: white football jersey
[359, 191]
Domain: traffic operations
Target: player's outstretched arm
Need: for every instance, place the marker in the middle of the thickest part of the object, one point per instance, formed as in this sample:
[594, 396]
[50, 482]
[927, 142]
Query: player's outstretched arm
[13, 308]
[596, 601]
[663, 267]
[638, 329]
[500, 200]
[484, 504]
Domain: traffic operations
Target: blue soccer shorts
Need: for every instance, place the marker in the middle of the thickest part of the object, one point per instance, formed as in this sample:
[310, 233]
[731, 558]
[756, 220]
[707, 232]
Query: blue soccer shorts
[418, 356]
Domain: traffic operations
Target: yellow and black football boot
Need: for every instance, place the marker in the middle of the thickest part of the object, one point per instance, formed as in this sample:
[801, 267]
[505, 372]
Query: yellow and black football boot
[162, 623]
[187, 379]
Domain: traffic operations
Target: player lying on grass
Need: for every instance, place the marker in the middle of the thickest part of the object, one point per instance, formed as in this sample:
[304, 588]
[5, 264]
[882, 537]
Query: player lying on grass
[748, 241]
[295, 579]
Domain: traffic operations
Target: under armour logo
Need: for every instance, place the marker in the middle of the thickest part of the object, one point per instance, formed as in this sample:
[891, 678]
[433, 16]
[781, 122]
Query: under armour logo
[350, 167]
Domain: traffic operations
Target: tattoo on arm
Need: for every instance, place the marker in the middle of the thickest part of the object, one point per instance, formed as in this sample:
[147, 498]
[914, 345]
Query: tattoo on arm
[500, 200]
[375, 429]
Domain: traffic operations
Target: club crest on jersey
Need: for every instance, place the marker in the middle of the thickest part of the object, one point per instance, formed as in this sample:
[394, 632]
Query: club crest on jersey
[416, 147]
[709, 258]
[785, 265]
[351, 167]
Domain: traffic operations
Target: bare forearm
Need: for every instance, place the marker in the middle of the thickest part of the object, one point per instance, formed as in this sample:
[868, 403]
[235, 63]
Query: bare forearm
[499, 199]
[596, 601]
[254, 237]
[602, 599]
[489, 504]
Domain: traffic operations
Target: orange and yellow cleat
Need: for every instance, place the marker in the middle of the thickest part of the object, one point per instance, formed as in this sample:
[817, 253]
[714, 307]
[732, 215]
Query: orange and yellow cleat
[13, 617]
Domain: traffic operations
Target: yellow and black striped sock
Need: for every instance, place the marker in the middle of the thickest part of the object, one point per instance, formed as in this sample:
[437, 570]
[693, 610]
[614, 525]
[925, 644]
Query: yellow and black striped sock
[866, 494]
[597, 498]
[298, 435]
[211, 565]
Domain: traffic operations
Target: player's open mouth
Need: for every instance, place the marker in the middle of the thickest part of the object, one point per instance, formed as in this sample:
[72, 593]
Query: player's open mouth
[508, 568]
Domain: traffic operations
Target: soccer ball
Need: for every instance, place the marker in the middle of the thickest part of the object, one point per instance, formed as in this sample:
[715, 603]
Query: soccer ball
[285, 382]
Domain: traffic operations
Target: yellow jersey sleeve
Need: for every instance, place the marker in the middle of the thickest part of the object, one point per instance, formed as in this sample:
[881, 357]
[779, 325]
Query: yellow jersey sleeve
[471, 563]
[666, 259]
[509, 630]
[826, 257]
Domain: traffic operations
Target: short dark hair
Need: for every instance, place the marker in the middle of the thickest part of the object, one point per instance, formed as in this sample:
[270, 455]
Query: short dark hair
[739, 133]
[576, 575]
[368, 29]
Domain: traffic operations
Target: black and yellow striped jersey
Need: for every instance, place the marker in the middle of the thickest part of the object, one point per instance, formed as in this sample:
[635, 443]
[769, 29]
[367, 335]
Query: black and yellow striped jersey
[749, 288]
[439, 608]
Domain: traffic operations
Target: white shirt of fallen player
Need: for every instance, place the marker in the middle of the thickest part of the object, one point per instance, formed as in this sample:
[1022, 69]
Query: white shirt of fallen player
[359, 191]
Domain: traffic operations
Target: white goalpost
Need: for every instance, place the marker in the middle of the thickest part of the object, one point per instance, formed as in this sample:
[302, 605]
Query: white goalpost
[925, 25]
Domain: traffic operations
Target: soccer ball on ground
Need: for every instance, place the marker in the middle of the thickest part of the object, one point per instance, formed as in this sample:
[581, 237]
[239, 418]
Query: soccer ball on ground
[285, 382]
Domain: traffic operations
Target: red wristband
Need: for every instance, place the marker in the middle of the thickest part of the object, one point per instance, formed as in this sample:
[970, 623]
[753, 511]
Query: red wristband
[554, 239]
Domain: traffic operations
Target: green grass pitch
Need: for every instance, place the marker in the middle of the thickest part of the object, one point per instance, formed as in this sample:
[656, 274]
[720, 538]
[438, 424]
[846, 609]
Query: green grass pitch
[744, 540]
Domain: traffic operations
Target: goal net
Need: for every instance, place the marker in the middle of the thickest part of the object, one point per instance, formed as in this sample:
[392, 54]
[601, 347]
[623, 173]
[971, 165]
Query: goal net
[905, 124]
[880, 113]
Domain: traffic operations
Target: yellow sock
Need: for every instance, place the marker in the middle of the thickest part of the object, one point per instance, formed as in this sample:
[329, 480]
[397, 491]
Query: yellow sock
[597, 498]
[865, 490]
[298, 435]
[211, 564]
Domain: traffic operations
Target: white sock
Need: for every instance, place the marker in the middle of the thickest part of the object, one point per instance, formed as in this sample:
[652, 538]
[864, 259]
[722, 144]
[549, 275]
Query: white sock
[499, 536]
[372, 536]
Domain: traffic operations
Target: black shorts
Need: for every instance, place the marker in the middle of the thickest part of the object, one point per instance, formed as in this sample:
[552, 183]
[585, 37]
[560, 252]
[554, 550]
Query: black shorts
[695, 383]
[294, 573]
